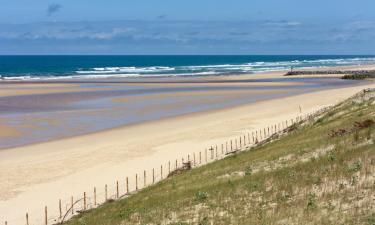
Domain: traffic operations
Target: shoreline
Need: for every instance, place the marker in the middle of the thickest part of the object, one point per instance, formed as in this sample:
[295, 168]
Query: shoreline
[35, 174]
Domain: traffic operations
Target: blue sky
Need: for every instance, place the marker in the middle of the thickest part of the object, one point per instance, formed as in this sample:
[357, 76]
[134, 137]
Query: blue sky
[187, 27]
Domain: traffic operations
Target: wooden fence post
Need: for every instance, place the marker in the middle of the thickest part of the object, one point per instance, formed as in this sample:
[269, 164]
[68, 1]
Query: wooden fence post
[206, 154]
[236, 143]
[240, 142]
[200, 157]
[72, 205]
[60, 209]
[117, 191]
[136, 182]
[106, 192]
[45, 216]
[222, 149]
[226, 147]
[144, 179]
[95, 203]
[161, 172]
[216, 151]
[194, 158]
[84, 201]
[27, 219]
[169, 166]
[127, 185]
[176, 164]
[248, 138]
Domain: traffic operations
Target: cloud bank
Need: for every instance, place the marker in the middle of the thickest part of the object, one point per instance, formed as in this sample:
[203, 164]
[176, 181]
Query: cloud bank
[188, 37]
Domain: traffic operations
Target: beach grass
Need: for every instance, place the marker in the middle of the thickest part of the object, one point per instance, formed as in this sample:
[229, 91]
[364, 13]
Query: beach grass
[322, 172]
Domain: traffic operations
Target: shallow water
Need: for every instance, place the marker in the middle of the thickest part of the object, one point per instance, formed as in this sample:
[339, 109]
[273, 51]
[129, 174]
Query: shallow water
[45, 117]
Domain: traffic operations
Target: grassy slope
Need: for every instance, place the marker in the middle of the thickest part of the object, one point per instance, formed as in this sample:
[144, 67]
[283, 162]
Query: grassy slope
[305, 177]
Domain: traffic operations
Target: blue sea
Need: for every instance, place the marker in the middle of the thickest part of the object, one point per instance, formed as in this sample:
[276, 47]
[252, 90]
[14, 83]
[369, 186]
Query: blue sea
[78, 67]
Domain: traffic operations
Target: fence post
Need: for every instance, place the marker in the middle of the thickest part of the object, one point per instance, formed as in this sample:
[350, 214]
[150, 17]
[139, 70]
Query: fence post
[60, 209]
[206, 154]
[72, 205]
[222, 149]
[188, 157]
[136, 182]
[127, 185]
[106, 192]
[27, 219]
[231, 145]
[117, 191]
[176, 164]
[216, 151]
[248, 138]
[144, 178]
[194, 158]
[240, 142]
[161, 172]
[84, 201]
[94, 196]
[45, 216]
[236, 143]
[200, 157]
[226, 147]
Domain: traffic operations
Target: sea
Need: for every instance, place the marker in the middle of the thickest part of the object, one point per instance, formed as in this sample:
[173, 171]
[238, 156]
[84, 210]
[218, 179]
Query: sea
[109, 66]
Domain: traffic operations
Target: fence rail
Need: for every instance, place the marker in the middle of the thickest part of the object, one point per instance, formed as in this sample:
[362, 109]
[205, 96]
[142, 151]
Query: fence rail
[121, 189]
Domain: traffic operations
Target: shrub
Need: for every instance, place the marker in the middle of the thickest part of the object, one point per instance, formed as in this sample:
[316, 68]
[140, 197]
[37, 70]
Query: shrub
[201, 195]
[311, 201]
[355, 167]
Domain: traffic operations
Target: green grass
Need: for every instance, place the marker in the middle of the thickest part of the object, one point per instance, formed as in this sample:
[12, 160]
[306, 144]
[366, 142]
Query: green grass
[305, 177]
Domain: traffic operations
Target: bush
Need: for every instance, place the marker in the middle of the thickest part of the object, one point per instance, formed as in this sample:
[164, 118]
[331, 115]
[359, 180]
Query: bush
[201, 195]
[355, 167]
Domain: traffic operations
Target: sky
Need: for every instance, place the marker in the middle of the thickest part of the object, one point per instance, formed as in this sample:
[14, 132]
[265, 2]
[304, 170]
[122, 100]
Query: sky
[247, 27]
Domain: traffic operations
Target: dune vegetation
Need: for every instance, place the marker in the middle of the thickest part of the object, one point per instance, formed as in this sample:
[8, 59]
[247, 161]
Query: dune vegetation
[320, 172]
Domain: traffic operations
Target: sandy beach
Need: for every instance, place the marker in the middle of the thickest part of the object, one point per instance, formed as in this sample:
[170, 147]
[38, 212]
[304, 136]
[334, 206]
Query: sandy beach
[39, 174]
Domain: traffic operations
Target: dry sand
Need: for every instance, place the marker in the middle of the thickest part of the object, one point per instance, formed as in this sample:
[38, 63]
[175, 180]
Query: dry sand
[37, 175]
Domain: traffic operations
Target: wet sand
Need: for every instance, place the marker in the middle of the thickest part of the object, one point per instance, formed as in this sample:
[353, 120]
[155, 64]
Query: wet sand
[33, 175]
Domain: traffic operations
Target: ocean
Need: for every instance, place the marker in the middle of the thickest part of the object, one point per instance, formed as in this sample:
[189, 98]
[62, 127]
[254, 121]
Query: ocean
[78, 67]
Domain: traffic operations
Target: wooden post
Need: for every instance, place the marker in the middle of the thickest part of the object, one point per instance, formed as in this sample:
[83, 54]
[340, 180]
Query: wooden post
[236, 143]
[182, 160]
[188, 157]
[252, 134]
[240, 142]
[216, 151]
[136, 182]
[60, 209]
[231, 145]
[127, 185]
[84, 201]
[176, 164]
[194, 159]
[222, 149]
[72, 205]
[169, 166]
[200, 157]
[226, 147]
[106, 192]
[117, 191]
[206, 154]
[45, 216]
[161, 172]
[27, 219]
[95, 197]
[144, 179]
[6, 223]
[248, 138]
